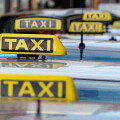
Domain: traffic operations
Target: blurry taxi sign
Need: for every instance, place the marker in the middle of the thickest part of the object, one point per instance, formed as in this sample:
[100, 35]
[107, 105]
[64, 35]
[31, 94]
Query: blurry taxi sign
[1, 14]
[97, 16]
[37, 24]
[116, 25]
[86, 27]
[31, 44]
[43, 87]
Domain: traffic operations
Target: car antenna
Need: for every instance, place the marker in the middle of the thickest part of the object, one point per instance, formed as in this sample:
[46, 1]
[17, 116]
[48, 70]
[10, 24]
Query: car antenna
[81, 45]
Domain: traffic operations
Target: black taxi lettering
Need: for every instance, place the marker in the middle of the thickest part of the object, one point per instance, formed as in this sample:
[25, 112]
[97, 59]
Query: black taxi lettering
[39, 89]
[27, 44]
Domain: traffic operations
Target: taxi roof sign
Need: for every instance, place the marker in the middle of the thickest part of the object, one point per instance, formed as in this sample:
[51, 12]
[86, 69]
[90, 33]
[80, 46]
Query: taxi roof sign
[1, 14]
[97, 16]
[43, 87]
[37, 23]
[36, 44]
[86, 27]
[116, 24]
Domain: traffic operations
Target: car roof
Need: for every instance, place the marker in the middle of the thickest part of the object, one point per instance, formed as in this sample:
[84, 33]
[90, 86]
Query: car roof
[75, 69]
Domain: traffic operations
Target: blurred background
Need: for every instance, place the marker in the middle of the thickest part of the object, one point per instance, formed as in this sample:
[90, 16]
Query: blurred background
[13, 6]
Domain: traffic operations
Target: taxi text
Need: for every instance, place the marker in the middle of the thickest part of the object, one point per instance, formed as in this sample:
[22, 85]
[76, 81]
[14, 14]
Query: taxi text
[39, 89]
[27, 44]
[85, 27]
[38, 24]
[97, 16]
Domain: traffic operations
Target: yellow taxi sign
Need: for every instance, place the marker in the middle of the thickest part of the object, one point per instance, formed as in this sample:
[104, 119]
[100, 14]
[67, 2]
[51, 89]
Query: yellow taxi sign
[116, 24]
[1, 14]
[31, 44]
[43, 87]
[97, 16]
[37, 24]
[86, 27]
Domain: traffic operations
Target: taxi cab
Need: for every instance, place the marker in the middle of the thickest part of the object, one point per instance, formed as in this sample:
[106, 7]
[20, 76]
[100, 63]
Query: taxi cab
[23, 42]
[75, 15]
[57, 83]
[37, 45]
